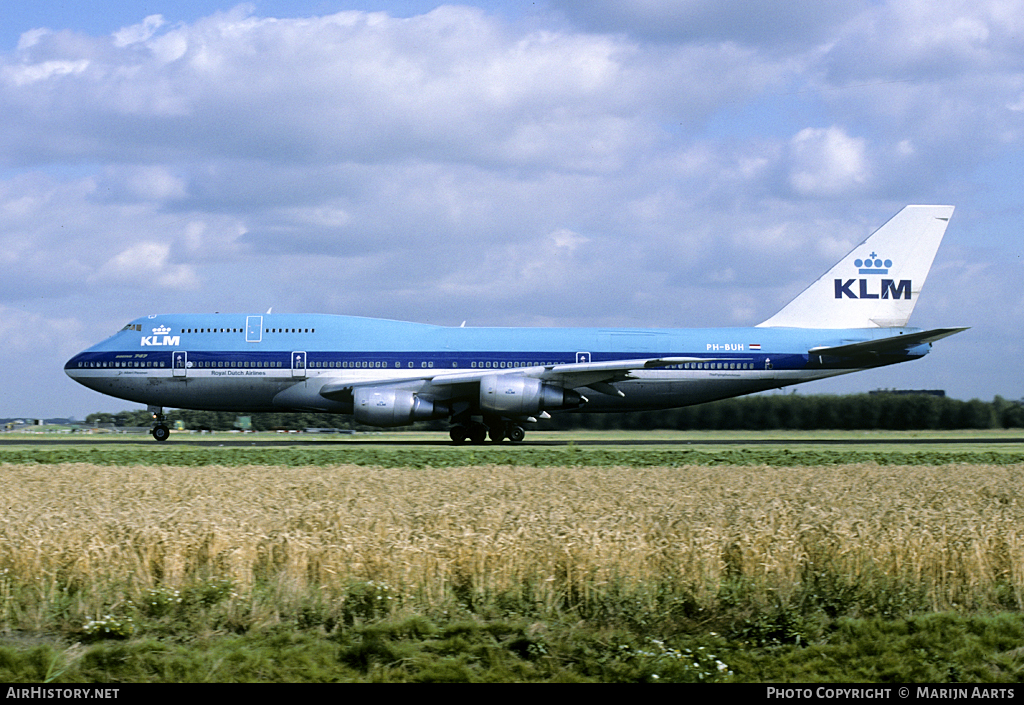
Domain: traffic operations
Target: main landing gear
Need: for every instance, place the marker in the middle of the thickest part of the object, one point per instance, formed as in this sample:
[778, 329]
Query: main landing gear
[495, 429]
[160, 431]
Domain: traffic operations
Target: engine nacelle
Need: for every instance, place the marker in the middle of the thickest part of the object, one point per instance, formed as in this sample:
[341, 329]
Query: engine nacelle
[515, 395]
[375, 406]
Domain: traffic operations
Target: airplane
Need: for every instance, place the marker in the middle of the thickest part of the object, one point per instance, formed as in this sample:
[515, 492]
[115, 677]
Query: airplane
[490, 382]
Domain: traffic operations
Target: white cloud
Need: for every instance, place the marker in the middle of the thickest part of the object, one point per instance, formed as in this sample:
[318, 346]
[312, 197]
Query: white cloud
[154, 183]
[453, 82]
[26, 332]
[567, 240]
[927, 38]
[139, 32]
[34, 73]
[827, 162]
[585, 169]
[147, 263]
[30, 38]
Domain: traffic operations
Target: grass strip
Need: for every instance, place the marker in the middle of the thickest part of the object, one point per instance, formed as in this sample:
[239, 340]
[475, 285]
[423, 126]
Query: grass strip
[526, 456]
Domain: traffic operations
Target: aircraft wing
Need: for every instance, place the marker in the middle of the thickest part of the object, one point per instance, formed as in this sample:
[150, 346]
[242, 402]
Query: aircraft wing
[584, 374]
[596, 375]
[881, 346]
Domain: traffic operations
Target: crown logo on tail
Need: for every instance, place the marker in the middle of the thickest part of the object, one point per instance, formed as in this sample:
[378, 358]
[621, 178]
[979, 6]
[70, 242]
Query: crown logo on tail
[874, 264]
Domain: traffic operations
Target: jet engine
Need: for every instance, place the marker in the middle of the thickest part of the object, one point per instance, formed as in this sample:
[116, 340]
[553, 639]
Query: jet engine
[375, 406]
[514, 395]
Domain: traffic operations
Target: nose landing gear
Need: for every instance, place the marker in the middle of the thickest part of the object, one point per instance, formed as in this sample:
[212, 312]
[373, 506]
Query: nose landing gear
[160, 431]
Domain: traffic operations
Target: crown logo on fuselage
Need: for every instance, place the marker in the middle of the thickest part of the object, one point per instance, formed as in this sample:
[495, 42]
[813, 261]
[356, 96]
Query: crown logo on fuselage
[160, 337]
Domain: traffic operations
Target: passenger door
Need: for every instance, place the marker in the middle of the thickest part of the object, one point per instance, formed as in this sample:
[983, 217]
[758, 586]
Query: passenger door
[179, 363]
[299, 365]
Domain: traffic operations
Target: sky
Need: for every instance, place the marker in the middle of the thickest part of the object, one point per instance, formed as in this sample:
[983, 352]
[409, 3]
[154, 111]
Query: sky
[642, 163]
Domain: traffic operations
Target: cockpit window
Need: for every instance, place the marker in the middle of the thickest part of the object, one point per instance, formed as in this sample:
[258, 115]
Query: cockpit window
[133, 326]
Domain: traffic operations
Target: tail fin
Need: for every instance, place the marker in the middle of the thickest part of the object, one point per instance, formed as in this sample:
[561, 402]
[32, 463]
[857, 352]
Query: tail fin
[876, 285]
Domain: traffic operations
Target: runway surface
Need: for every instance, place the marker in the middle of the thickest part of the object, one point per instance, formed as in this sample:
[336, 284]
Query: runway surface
[442, 441]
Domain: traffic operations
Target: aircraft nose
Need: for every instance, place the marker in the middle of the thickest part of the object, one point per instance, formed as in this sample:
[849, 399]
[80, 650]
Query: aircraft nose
[73, 367]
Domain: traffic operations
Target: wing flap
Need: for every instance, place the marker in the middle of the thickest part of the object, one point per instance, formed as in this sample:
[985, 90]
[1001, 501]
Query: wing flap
[570, 376]
[587, 374]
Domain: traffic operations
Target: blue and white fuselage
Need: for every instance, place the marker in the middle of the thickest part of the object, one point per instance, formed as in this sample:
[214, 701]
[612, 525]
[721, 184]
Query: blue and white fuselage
[218, 362]
[391, 373]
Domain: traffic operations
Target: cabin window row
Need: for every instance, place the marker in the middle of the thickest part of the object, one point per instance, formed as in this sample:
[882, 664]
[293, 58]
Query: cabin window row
[371, 364]
[235, 363]
[488, 364]
[714, 366]
[123, 363]
[685, 366]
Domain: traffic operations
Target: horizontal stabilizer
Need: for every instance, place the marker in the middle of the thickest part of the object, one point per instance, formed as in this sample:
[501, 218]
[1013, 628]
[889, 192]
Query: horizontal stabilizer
[881, 346]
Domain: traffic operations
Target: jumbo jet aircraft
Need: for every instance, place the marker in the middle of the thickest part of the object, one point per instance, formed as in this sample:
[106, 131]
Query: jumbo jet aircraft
[491, 381]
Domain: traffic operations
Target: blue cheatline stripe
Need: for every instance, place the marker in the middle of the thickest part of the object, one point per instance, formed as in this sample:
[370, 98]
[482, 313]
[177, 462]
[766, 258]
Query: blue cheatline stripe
[322, 360]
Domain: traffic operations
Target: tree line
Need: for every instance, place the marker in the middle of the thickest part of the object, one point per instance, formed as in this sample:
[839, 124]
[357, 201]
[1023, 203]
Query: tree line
[897, 412]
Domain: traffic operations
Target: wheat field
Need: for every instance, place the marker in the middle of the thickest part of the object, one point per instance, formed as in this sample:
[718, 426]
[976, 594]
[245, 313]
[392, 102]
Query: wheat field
[956, 531]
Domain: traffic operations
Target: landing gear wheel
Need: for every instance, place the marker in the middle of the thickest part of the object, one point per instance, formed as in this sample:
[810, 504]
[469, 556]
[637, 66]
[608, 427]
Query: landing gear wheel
[497, 433]
[161, 433]
[477, 433]
[516, 434]
[458, 434]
